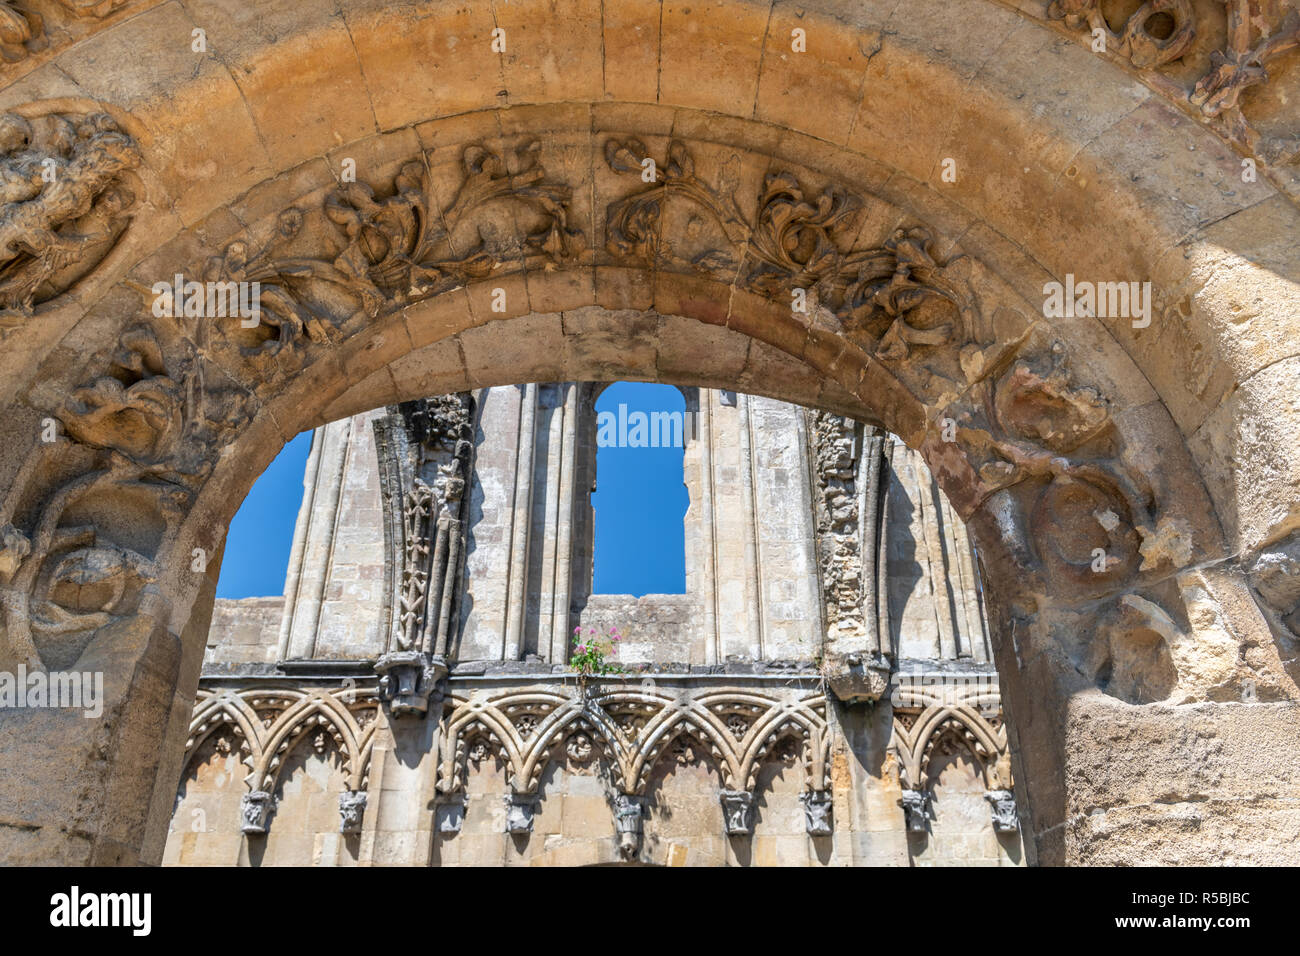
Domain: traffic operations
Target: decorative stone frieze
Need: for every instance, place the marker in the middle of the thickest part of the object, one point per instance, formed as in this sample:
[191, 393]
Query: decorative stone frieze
[65, 200]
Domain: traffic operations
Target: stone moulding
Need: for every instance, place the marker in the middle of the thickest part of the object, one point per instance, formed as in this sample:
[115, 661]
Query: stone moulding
[270, 723]
[426, 452]
[964, 718]
[631, 730]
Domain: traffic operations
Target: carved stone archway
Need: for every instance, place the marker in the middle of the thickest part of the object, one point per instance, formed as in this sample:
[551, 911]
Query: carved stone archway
[425, 216]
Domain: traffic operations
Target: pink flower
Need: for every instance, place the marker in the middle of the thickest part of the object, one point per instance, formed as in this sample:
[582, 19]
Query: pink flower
[578, 629]
[617, 638]
[582, 648]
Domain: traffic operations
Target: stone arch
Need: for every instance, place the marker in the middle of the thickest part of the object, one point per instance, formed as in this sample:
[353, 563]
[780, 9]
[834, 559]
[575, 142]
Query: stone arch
[1163, 447]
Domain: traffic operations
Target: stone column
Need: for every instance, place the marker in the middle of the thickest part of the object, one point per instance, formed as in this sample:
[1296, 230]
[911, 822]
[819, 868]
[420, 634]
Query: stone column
[559, 642]
[708, 595]
[516, 609]
[302, 615]
[293, 574]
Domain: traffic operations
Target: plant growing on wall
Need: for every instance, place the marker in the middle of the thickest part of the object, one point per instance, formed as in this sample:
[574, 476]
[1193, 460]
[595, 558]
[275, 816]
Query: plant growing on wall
[593, 653]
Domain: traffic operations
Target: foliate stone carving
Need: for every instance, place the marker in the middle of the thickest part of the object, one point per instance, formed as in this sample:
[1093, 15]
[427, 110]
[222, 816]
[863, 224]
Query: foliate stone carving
[408, 682]
[63, 201]
[433, 462]
[1252, 44]
[893, 298]
[520, 810]
[1158, 32]
[817, 812]
[738, 726]
[629, 822]
[1089, 519]
[253, 810]
[96, 9]
[391, 247]
[1253, 34]
[738, 811]
[21, 32]
[149, 430]
[1004, 810]
[352, 805]
[168, 415]
[416, 511]
[426, 469]
[916, 808]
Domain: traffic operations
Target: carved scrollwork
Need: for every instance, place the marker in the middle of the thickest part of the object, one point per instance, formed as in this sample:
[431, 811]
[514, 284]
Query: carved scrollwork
[1253, 34]
[1156, 33]
[374, 251]
[21, 32]
[893, 299]
[63, 583]
[1092, 524]
[64, 201]
[1252, 44]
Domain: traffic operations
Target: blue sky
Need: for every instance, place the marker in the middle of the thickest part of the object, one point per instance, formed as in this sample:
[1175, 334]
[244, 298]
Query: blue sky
[257, 546]
[640, 504]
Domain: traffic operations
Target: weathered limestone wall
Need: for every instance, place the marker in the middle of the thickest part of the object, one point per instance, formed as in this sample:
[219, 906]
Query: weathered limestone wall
[934, 595]
[334, 581]
[245, 630]
[567, 816]
[730, 655]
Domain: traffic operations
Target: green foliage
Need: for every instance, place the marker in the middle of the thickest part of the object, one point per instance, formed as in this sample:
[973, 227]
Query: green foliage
[593, 653]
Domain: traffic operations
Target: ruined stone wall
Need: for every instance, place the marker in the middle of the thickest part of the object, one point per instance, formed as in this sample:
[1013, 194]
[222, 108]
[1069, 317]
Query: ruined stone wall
[244, 630]
[763, 766]
[333, 586]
